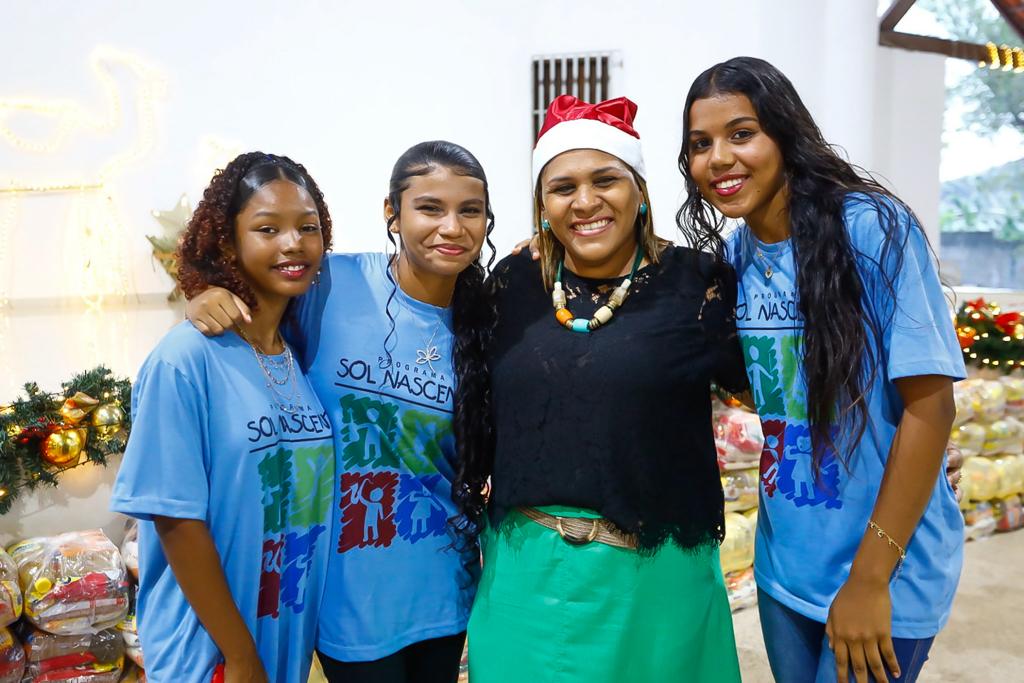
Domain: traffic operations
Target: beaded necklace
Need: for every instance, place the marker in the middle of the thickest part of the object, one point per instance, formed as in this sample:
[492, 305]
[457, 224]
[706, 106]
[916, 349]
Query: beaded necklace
[602, 315]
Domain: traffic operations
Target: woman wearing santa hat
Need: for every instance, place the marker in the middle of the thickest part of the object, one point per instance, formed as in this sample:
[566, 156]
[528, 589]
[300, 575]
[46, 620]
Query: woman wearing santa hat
[605, 506]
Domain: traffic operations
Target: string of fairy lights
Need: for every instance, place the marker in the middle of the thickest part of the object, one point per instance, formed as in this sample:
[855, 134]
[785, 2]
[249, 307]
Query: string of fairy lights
[94, 245]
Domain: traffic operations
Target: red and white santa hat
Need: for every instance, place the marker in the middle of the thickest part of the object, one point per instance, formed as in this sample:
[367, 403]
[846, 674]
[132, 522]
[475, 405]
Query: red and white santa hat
[607, 126]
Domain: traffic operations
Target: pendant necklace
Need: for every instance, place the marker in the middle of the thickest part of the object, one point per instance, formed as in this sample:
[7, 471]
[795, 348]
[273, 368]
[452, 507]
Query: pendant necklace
[428, 354]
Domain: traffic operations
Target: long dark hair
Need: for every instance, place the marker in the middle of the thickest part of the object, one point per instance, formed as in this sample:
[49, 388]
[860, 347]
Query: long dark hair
[842, 330]
[206, 251]
[472, 319]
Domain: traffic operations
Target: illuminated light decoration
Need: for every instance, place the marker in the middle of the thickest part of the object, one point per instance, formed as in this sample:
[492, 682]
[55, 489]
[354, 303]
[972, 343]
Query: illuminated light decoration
[95, 246]
[974, 355]
[1005, 57]
[992, 56]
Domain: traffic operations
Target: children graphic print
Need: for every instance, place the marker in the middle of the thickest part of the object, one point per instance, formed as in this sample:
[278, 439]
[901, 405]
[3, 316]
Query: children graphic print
[296, 495]
[772, 336]
[391, 484]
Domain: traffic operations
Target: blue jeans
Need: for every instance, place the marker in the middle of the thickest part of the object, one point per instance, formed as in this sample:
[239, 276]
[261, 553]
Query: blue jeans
[798, 647]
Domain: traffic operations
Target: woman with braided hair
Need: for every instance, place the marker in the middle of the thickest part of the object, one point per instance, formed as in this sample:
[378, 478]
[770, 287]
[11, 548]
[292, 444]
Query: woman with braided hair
[230, 464]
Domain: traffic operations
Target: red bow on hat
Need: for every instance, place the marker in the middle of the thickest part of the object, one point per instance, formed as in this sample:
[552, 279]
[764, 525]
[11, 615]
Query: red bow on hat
[618, 113]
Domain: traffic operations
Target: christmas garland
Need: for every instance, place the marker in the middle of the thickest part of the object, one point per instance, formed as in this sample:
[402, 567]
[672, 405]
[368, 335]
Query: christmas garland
[43, 434]
[989, 337]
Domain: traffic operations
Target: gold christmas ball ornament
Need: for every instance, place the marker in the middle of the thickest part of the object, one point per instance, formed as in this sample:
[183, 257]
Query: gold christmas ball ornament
[108, 420]
[63, 447]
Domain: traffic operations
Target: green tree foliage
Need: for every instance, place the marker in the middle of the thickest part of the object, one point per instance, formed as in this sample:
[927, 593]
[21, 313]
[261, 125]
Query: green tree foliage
[995, 98]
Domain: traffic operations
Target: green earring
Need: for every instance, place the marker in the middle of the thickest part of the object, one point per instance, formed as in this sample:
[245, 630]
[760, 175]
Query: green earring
[545, 225]
[643, 208]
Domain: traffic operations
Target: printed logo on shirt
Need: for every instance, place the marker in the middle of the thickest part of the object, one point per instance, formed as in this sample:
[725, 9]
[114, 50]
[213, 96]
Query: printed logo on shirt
[297, 490]
[415, 383]
[772, 335]
[378, 507]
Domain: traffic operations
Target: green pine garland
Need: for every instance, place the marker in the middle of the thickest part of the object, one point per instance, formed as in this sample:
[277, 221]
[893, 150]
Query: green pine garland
[25, 423]
[989, 337]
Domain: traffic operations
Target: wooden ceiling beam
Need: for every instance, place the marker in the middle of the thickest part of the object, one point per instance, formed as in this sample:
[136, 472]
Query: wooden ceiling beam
[897, 10]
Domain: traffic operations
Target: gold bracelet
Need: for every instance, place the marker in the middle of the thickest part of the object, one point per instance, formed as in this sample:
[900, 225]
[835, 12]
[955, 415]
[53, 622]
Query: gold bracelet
[880, 532]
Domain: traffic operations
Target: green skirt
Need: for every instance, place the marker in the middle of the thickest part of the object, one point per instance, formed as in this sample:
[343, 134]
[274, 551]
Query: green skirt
[550, 612]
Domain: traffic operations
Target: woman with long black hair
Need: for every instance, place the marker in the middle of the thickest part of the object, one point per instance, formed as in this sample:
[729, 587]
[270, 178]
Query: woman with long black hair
[851, 355]
[381, 338]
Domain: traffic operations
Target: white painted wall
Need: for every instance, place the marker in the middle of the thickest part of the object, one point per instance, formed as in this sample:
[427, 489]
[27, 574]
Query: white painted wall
[909, 104]
[345, 87]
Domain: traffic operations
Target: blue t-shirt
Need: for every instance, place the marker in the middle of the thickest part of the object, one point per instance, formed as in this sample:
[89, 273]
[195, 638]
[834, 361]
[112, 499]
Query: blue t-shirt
[210, 441]
[808, 531]
[393, 578]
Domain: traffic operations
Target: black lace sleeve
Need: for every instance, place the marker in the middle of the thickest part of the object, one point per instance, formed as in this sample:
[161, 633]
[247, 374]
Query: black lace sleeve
[718, 317]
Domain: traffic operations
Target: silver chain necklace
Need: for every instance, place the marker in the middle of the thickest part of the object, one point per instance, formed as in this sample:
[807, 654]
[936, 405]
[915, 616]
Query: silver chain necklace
[269, 365]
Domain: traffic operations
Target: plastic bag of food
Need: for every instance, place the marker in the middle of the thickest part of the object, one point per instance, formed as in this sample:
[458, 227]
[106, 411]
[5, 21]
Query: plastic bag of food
[1015, 443]
[741, 588]
[988, 398]
[970, 438]
[10, 590]
[964, 405]
[997, 435]
[130, 548]
[980, 479]
[737, 550]
[12, 658]
[740, 488]
[73, 583]
[738, 438]
[1014, 386]
[1008, 513]
[979, 521]
[130, 631]
[89, 658]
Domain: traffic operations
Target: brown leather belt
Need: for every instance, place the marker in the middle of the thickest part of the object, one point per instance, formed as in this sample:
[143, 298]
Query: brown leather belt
[582, 530]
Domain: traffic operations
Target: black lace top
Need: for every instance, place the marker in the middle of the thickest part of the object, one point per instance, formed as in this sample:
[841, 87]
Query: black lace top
[617, 420]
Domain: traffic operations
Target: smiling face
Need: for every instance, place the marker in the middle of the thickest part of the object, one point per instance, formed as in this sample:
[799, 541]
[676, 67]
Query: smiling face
[591, 199]
[442, 222]
[738, 168]
[278, 241]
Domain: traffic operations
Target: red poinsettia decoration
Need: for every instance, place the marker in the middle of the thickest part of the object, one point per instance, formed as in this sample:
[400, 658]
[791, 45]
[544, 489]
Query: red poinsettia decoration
[1007, 322]
[978, 304]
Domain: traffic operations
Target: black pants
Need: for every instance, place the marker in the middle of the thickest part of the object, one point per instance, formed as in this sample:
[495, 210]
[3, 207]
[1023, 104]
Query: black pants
[428, 661]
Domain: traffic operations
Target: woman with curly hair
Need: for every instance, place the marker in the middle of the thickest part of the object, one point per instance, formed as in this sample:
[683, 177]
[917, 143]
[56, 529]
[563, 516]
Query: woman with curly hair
[383, 339]
[230, 463]
[851, 355]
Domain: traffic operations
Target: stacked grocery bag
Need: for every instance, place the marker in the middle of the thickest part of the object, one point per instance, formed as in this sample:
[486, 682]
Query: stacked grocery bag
[71, 592]
[989, 432]
[738, 440]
